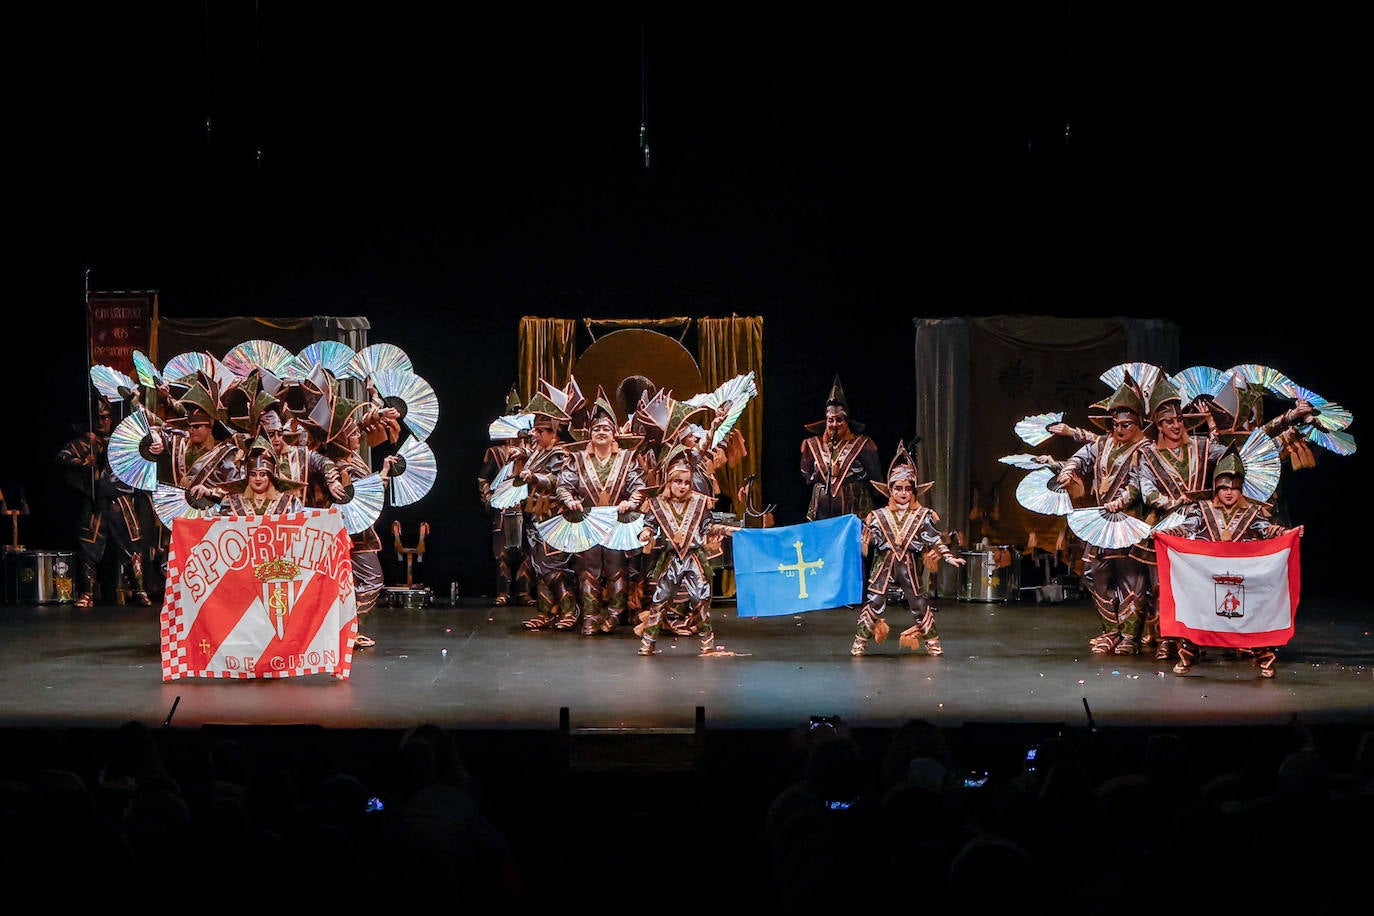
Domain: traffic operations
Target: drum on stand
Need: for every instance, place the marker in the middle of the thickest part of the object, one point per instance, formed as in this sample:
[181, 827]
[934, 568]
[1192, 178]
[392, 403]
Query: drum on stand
[992, 574]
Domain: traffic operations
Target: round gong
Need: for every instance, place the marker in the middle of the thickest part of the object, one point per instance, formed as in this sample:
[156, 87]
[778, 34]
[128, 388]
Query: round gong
[637, 351]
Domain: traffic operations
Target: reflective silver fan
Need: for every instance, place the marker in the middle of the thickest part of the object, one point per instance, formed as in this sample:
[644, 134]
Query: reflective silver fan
[412, 396]
[1173, 520]
[505, 491]
[1263, 376]
[1039, 492]
[1340, 442]
[1032, 429]
[334, 356]
[1260, 455]
[570, 536]
[112, 384]
[365, 507]
[1024, 462]
[171, 503]
[413, 475]
[511, 426]
[1144, 374]
[148, 376]
[186, 365]
[125, 452]
[380, 357]
[1331, 416]
[1107, 529]
[734, 396]
[623, 535]
[1199, 381]
[243, 358]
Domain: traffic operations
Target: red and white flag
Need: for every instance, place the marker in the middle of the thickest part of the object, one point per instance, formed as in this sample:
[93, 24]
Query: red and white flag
[1233, 594]
[261, 597]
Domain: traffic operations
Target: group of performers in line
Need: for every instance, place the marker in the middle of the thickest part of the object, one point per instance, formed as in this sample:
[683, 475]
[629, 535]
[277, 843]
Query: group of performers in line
[1153, 460]
[248, 446]
[658, 466]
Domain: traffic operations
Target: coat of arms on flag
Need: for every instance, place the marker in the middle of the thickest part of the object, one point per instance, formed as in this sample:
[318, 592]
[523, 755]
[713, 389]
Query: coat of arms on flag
[262, 597]
[1233, 594]
[798, 568]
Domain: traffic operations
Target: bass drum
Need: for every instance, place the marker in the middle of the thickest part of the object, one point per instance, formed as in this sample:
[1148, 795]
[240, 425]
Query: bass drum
[993, 574]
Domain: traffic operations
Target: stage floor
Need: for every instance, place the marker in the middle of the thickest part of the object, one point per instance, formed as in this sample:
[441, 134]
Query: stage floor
[475, 667]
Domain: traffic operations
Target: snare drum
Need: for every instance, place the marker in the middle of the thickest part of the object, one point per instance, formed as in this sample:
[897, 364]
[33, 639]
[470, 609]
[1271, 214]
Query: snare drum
[993, 574]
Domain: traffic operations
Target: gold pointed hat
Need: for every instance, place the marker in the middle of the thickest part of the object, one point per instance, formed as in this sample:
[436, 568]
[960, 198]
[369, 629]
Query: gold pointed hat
[513, 402]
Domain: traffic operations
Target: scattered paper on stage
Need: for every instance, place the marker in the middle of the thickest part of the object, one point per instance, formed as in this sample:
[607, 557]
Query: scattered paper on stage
[261, 597]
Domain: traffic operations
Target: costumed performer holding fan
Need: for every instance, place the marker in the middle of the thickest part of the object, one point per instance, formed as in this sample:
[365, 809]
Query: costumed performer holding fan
[601, 471]
[1106, 467]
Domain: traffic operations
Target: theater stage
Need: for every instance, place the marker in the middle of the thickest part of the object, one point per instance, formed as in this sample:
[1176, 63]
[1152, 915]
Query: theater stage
[474, 667]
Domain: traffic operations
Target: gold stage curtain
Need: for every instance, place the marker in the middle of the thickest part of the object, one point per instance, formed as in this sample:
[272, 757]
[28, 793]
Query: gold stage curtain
[546, 352]
[730, 347]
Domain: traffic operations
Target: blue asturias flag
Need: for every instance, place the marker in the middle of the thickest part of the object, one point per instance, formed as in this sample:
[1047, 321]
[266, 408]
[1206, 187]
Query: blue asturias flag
[798, 568]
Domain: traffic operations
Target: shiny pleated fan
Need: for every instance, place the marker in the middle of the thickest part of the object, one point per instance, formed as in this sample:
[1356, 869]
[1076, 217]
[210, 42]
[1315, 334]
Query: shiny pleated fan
[505, 492]
[186, 365]
[413, 396]
[111, 383]
[1200, 381]
[570, 536]
[148, 376]
[734, 395]
[1339, 442]
[1024, 462]
[417, 478]
[1144, 375]
[1171, 521]
[1263, 376]
[243, 358]
[126, 455]
[171, 503]
[1107, 529]
[380, 357]
[333, 355]
[1331, 416]
[1032, 429]
[363, 510]
[1038, 492]
[510, 426]
[1260, 455]
[623, 535]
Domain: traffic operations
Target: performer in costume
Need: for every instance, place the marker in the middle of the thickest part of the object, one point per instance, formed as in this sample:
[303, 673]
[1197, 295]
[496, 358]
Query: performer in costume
[1106, 467]
[1228, 516]
[601, 471]
[839, 463]
[351, 423]
[111, 512]
[677, 527]
[507, 538]
[904, 535]
[190, 450]
[1175, 469]
[262, 491]
[538, 468]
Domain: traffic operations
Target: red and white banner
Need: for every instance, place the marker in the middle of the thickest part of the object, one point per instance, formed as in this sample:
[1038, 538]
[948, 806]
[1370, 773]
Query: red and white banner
[1233, 594]
[263, 597]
